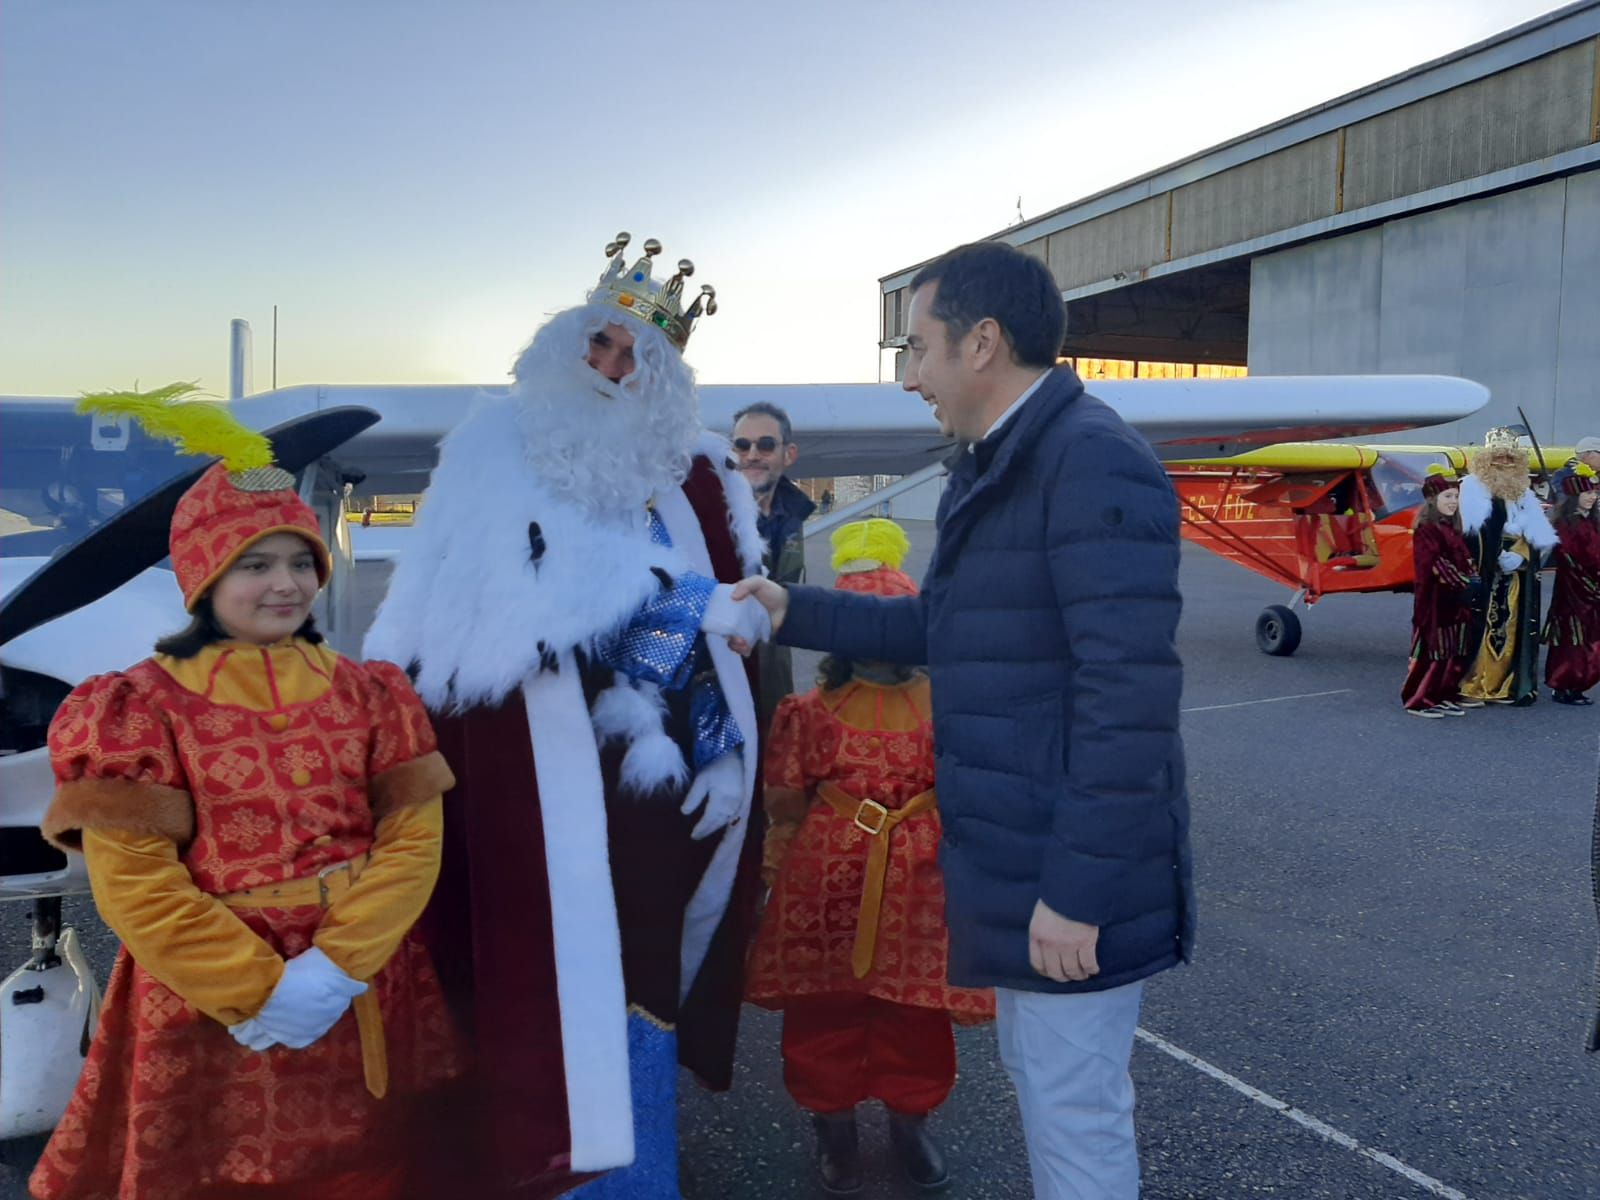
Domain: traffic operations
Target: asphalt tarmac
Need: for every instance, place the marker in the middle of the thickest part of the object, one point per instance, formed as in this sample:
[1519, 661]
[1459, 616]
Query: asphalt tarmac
[1393, 970]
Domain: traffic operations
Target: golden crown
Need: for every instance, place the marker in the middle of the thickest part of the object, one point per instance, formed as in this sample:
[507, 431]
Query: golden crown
[632, 290]
[1501, 439]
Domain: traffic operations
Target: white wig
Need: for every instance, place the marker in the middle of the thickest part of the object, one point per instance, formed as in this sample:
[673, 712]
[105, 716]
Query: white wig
[609, 446]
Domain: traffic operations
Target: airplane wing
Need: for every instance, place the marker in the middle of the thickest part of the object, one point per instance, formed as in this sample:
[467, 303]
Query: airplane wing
[880, 429]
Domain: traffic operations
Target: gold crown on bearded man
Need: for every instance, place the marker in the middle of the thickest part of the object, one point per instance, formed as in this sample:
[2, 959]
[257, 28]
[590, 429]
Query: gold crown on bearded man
[1501, 439]
[633, 291]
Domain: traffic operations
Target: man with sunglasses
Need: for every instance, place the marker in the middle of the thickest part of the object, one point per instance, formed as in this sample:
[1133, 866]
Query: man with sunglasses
[764, 446]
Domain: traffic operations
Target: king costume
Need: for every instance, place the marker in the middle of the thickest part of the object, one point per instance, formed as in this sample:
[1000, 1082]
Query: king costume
[577, 540]
[246, 811]
[1507, 532]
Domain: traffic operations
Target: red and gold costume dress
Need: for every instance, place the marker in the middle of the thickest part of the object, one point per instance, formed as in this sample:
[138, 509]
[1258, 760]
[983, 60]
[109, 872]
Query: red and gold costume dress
[200, 791]
[1572, 630]
[1441, 616]
[867, 1008]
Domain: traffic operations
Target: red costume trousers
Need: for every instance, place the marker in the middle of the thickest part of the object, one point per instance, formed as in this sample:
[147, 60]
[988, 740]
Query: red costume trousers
[1432, 681]
[841, 1049]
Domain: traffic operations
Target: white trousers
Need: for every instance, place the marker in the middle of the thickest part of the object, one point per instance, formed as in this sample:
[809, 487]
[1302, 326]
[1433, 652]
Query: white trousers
[1068, 1057]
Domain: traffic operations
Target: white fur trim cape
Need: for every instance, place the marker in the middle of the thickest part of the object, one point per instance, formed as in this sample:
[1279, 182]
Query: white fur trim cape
[469, 604]
[1525, 516]
[505, 577]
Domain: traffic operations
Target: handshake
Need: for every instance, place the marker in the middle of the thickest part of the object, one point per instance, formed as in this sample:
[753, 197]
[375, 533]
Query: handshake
[746, 612]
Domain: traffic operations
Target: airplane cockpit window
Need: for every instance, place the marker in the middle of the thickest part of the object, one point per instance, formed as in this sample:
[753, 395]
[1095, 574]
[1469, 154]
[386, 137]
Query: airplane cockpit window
[62, 474]
[1398, 477]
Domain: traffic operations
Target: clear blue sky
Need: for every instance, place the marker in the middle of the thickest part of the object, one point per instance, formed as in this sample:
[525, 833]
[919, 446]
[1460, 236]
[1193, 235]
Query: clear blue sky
[417, 184]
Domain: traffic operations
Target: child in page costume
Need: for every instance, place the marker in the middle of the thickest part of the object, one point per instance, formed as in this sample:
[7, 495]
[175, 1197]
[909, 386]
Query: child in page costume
[853, 946]
[1441, 603]
[260, 819]
[1572, 631]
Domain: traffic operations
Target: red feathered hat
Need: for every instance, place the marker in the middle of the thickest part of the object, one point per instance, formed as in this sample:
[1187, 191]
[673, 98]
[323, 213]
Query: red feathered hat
[223, 515]
[1582, 478]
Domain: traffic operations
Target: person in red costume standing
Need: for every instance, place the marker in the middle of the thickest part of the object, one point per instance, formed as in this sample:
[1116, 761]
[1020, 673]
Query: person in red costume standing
[853, 946]
[1572, 630]
[261, 824]
[1441, 604]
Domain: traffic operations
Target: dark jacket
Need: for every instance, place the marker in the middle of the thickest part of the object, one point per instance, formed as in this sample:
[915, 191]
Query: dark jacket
[782, 530]
[1047, 621]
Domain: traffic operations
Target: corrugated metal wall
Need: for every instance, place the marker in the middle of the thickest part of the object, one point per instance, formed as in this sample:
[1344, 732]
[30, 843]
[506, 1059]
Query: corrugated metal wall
[1520, 115]
[1279, 191]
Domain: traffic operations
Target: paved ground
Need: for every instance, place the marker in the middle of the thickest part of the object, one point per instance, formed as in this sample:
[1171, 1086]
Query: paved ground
[1395, 939]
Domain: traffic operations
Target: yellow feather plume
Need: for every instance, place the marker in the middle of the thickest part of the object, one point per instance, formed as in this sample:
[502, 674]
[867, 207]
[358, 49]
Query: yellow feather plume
[198, 427]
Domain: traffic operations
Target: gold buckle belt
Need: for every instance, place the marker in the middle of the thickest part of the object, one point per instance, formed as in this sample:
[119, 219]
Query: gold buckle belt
[322, 889]
[881, 825]
[871, 806]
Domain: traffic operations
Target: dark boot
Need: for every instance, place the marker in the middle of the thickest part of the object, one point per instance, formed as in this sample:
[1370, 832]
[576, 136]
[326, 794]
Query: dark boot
[838, 1152]
[918, 1154]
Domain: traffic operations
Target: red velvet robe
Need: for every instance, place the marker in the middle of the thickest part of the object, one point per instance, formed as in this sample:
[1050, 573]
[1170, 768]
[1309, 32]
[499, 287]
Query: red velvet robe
[1572, 630]
[490, 930]
[1441, 615]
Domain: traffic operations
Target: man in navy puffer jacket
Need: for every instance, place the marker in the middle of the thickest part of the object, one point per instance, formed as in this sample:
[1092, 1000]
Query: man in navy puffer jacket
[1047, 621]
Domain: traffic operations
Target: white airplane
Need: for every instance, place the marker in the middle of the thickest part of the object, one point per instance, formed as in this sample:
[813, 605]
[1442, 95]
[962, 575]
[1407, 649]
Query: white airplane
[84, 507]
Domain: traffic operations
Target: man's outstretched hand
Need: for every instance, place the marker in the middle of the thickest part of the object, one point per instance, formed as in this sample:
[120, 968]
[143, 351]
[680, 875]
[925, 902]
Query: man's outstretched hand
[772, 596]
[1060, 948]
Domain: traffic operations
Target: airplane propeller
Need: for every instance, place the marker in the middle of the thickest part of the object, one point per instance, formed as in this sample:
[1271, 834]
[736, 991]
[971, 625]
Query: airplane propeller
[134, 540]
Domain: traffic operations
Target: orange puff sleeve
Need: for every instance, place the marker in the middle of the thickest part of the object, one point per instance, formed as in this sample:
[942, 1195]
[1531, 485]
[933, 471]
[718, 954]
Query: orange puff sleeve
[365, 925]
[122, 799]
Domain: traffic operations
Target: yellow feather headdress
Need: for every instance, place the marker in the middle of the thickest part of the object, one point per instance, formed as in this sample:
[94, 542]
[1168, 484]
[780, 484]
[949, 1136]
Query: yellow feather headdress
[198, 427]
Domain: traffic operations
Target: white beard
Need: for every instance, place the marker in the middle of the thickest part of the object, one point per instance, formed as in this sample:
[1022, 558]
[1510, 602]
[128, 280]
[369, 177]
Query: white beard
[603, 446]
[599, 447]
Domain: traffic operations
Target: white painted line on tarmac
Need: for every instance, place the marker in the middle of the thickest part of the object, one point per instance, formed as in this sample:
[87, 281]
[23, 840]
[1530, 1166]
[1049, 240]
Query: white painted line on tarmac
[1427, 1182]
[1268, 700]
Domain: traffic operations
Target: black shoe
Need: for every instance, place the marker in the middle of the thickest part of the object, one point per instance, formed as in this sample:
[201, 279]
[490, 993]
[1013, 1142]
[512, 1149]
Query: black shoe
[1570, 698]
[918, 1154]
[838, 1152]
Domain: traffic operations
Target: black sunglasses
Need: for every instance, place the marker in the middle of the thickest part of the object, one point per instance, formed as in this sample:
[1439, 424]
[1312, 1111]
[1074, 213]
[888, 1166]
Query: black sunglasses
[764, 444]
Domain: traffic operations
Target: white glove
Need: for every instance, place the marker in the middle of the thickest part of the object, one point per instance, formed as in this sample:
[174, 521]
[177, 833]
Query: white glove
[312, 994]
[720, 787]
[1510, 560]
[736, 619]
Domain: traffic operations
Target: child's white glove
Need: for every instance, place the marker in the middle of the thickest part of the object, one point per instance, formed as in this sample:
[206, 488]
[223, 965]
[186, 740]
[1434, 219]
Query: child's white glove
[720, 787]
[732, 618]
[312, 994]
[1510, 560]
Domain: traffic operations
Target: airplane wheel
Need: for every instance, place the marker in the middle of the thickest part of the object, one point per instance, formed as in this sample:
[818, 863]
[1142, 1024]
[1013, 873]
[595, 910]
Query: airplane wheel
[1277, 631]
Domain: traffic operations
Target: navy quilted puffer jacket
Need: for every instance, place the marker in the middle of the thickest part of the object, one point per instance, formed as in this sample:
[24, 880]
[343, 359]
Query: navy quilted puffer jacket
[1047, 622]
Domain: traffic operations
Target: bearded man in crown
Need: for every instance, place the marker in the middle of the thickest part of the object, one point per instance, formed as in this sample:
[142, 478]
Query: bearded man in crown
[1507, 532]
[565, 611]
